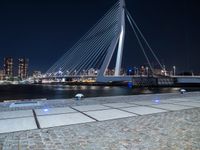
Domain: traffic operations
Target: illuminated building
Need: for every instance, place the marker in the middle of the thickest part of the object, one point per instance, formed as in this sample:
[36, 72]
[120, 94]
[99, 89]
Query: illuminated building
[2, 75]
[37, 74]
[23, 68]
[8, 66]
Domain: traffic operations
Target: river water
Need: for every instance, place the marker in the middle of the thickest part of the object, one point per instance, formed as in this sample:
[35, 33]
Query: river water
[22, 92]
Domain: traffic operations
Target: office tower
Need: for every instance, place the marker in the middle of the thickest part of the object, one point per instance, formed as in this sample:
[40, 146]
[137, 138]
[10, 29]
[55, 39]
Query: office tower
[23, 68]
[8, 66]
[2, 75]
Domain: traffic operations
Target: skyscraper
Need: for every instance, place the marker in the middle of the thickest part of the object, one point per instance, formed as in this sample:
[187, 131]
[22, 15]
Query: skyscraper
[8, 66]
[23, 68]
[2, 75]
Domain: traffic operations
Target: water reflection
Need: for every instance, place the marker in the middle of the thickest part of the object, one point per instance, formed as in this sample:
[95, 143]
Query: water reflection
[13, 92]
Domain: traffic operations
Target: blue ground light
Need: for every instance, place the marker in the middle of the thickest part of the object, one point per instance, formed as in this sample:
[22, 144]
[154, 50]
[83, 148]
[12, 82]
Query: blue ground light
[157, 101]
[45, 110]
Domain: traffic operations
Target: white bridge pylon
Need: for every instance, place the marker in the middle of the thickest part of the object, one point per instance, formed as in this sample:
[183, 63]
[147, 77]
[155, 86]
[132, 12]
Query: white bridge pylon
[96, 48]
[119, 39]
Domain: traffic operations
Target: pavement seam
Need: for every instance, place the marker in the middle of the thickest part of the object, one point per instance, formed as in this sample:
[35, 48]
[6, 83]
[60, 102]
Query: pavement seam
[85, 114]
[127, 111]
[173, 110]
[16, 117]
[120, 107]
[57, 114]
[140, 114]
[36, 119]
[90, 110]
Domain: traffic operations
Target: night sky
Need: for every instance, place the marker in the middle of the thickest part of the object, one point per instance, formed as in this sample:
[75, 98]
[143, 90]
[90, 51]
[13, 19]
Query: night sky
[44, 30]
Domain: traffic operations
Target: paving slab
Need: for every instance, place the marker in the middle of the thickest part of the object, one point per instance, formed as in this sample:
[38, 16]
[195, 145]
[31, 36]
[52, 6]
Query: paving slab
[62, 119]
[153, 102]
[193, 104]
[188, 99]
[119, 105]
[16, 114]
[198, 101]
[171, 107]
[91, 107]
[195, 99]
[179, 99]
[24, 104]
[53, 111]
[17, 124]
[143, 110]
[109, 114]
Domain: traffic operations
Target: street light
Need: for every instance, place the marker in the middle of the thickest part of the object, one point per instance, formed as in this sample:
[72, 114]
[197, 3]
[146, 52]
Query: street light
[147, 71]
[174, 70]
[129, 71]
[136, 71]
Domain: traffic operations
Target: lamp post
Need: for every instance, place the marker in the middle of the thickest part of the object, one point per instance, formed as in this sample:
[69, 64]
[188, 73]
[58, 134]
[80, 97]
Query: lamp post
[136, 71]
[129, 72]
[147, 71]
[174, 70]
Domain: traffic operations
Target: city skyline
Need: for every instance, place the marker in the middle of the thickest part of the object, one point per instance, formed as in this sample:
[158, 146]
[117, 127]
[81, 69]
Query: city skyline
[12, 67]
[43, 31]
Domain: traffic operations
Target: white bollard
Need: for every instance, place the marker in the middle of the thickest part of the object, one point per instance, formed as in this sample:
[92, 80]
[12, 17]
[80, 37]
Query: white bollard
[182, 91]
[79, 96]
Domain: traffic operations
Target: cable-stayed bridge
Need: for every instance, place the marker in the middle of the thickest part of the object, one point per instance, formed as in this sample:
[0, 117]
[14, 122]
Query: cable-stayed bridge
[96, 48]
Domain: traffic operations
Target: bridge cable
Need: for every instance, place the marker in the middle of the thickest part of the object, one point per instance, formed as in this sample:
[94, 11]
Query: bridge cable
[90, 49]
[148, 45]
[140, 43]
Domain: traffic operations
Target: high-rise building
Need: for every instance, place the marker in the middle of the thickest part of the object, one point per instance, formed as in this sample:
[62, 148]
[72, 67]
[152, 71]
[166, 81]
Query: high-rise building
[23, 68]
[2, 75]
[8, 66]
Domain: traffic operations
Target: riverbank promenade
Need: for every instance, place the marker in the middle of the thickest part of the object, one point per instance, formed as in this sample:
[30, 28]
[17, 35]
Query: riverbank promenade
[156, 121]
